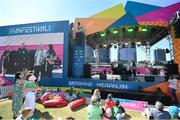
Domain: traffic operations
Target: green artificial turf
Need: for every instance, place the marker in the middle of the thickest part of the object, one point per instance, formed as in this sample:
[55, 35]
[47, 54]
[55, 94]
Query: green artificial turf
[58, 113]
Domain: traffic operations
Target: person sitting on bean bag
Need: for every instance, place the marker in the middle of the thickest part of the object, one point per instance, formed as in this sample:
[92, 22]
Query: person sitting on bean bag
[69, 94]
[74, 96]
[80, 93]
[118, 112]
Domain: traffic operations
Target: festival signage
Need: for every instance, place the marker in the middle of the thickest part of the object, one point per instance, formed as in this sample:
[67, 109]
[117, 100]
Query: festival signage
[132, 104]
[78, 61]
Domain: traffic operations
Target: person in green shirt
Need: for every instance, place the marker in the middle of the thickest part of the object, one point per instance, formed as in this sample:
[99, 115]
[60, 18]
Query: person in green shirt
[94, 109]
[118, 112]
[80, 93]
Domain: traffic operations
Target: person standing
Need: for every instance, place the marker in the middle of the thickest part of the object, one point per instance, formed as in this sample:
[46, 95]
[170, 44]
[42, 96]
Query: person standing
[38, 60]
[49, 61]
[17, 99]
[22, 61]
[50, 52]
[47, 67]
[5, 60]
[79, 34]
[134, 69]
[173, 86]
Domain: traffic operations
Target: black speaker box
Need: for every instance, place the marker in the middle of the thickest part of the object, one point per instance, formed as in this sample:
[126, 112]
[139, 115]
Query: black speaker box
[149, 78]
[172, 69]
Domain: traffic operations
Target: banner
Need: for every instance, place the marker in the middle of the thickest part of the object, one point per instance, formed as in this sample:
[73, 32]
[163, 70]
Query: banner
[132, 104]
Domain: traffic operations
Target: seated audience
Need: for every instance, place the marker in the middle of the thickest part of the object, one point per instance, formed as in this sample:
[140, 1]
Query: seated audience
[74, 96]
[97, 94]
[109, 103]
[174, 112]
[69, 94]
[77, 95]
[25, 114]
[80, 93]
[157, 113]
[118, 112]
[94, 109]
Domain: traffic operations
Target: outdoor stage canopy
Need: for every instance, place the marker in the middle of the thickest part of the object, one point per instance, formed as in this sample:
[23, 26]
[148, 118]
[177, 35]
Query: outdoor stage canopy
[134, 15]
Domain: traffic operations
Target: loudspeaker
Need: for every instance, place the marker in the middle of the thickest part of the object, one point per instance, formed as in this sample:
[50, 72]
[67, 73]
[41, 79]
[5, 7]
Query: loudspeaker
[149, 78]
[87, 70]
[172, 69]
[155, 71]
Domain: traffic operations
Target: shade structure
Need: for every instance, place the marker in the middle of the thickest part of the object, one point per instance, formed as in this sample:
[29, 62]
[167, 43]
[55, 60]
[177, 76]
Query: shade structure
[114, 12]
[159, 17]
[126, 20]
[137, 9]
[93, 25]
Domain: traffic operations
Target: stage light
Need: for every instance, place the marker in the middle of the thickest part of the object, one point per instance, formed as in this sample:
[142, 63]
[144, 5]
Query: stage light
[115, 31]
[138, 43]
[104, 45]
[130, 30]
[103, 34]
[144, 30]
[140, 29]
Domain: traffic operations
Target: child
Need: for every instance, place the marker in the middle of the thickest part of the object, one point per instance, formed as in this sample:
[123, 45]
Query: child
[109, 103]
[30, 97]
[118, 112]
[26, 113]
[97, 94]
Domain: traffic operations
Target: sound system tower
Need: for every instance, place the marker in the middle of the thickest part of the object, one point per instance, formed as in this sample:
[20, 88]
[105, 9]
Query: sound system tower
[87, 70]
[172, 69]
[80, 38]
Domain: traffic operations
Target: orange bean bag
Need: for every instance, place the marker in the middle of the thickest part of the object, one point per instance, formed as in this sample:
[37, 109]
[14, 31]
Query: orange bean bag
[45, 97]
[56, 102]
[77, 103]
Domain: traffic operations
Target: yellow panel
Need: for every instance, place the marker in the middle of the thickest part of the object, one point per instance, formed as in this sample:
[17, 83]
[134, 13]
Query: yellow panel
[113, 12]
[93, 25]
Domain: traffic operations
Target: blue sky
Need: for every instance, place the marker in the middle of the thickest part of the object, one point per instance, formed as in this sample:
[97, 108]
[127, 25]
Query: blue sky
[30, 11]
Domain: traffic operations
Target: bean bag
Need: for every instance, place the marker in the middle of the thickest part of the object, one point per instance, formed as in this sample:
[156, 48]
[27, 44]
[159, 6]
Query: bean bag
[56, 102]
[45, 97]
[77, 103]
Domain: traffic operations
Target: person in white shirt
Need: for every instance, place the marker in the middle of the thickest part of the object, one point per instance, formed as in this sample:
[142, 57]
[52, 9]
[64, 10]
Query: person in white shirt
[173, 86]
[38, 60]
[79, 34]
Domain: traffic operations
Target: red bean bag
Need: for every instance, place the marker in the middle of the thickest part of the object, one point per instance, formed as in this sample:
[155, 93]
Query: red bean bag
[57, 101]
[77, 103]
[45, 97]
